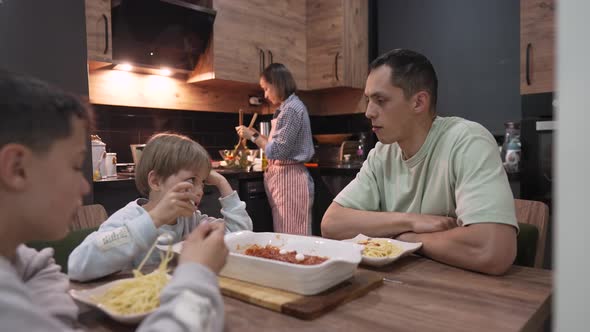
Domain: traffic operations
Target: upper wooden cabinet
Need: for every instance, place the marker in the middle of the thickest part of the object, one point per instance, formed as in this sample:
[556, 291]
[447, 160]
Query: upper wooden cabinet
[537, 46]
[337, 43]
[98, 30]
[285, 37]
[248, 35]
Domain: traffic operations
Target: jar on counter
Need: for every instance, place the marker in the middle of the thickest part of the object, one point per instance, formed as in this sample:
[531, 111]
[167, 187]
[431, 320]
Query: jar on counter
[511, 148]
[111, 164]
[98, 157]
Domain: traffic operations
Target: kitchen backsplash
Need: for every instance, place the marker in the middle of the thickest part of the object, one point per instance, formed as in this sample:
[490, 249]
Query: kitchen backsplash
[119, 126]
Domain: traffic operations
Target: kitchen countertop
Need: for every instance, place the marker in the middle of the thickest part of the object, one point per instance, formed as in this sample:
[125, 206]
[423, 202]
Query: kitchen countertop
[337, 169]
[119, 177]
[352, 165]
[228, 173]
[240, 174]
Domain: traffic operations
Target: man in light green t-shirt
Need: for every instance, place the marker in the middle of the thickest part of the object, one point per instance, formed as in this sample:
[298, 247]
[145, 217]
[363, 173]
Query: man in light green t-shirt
[435, 180]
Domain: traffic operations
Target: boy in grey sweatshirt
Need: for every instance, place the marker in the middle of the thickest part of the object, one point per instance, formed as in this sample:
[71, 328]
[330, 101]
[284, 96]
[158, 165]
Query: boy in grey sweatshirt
[42, 149]
[170, 165]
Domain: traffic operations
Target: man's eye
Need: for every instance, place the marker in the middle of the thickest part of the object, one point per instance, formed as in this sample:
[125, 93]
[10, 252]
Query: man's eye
[191, 180]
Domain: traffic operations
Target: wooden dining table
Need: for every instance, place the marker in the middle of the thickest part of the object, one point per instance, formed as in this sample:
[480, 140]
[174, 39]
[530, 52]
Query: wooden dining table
[418, 294]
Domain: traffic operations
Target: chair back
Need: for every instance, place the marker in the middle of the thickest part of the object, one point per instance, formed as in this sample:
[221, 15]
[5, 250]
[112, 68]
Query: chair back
[87, 220]
[537, 214]
[89, 216]
[64, 247]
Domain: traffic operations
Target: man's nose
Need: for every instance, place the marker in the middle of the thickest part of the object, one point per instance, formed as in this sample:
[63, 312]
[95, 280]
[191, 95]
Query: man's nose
[370, 112]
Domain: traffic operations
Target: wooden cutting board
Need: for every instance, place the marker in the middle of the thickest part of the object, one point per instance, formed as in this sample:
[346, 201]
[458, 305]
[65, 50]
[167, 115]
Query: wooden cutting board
[301, 306]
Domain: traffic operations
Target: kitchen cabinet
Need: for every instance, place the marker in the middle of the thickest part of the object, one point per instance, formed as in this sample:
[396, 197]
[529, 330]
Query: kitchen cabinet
[337, 43]
[537, 46]
[248, 35]
[252, 193]
[98, 30]
[328, 181]
[285, 37]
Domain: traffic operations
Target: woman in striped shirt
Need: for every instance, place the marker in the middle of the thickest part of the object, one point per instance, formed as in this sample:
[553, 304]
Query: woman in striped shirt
[288, 185]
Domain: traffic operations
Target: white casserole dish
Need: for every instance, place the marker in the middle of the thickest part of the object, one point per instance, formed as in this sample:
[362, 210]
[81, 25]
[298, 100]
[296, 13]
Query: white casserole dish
[343, 259]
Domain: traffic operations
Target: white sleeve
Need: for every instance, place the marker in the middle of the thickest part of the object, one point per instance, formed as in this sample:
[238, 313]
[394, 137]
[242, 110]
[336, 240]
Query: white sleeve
[234, 213]
[119, 240]
[190, 302]
[43, 278]
[18, 311]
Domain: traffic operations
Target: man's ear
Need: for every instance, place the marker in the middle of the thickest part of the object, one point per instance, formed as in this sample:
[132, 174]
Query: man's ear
[154, 181]
[422, 102]
[14, 162]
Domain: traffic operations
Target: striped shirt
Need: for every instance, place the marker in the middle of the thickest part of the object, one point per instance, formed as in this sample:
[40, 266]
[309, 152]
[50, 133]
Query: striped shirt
[291, 139]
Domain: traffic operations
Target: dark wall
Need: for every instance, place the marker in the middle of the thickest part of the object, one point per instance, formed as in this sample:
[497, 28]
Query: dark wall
[474, 47]
[47, 40]
[119, 126]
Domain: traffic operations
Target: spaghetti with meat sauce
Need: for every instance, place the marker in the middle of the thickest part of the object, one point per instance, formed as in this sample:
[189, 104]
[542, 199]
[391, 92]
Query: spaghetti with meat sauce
[272, 252]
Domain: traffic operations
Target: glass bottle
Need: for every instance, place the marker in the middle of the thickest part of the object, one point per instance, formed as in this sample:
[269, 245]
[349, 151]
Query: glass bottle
[360, 151]
[511, 148]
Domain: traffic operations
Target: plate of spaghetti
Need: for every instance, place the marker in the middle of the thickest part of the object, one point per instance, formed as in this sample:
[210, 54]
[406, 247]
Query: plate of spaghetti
[129, 300]
[379, 251]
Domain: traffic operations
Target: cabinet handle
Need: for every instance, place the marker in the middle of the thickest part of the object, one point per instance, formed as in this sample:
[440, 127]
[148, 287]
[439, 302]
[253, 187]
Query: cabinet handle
[270, 57]
[261, 60]
[336, 66]
[106, 33]
[528, 63]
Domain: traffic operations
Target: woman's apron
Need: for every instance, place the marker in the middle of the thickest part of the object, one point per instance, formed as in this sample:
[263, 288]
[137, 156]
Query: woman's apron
[289, 188]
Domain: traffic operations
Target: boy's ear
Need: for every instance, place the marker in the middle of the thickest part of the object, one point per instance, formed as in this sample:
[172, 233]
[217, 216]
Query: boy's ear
[154, 181]
[14, 159]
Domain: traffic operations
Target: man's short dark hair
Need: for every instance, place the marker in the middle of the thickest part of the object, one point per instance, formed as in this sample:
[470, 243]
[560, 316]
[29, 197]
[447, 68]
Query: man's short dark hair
[281, 78]
[410, 71]
[36, 114]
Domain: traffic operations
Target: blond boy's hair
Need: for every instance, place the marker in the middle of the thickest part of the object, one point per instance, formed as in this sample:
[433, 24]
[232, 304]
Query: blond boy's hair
[166, 154]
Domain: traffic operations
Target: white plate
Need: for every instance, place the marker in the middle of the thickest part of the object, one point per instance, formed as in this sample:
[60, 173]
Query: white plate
[343, 259]
[407, 248]
[87, 296]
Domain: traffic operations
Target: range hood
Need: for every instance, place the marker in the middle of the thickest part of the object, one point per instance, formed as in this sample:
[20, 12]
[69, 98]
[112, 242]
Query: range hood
[157, 34]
